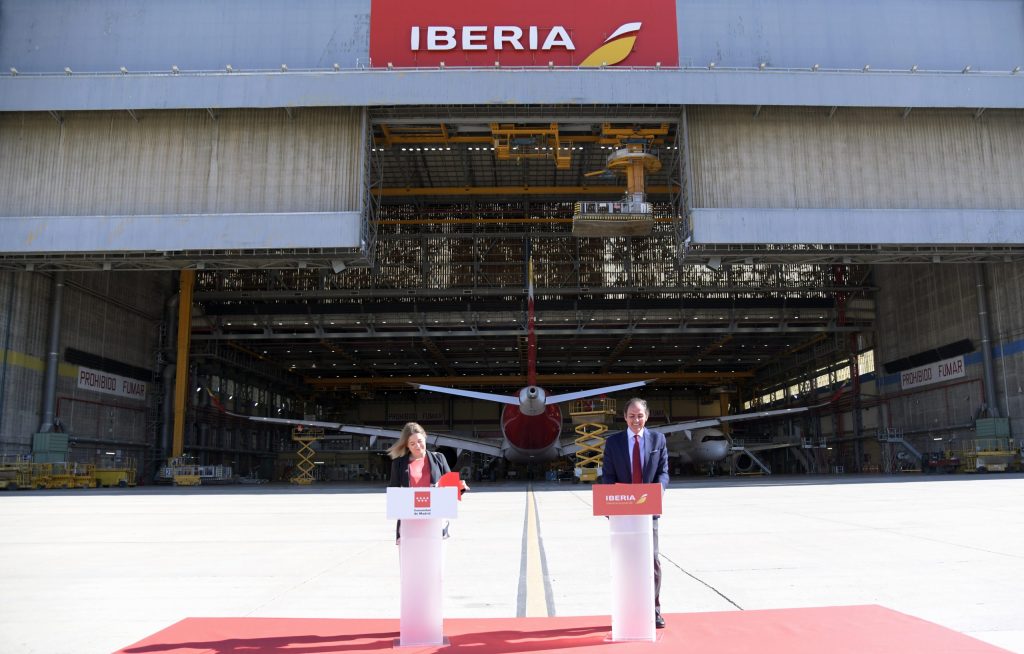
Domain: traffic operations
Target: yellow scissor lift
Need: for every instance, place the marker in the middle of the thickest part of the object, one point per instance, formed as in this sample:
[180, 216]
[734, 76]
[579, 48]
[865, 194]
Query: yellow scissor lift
[591, 417]
[305, 437]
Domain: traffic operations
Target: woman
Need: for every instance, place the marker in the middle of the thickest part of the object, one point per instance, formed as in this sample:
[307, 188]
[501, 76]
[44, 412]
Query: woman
[413, 466]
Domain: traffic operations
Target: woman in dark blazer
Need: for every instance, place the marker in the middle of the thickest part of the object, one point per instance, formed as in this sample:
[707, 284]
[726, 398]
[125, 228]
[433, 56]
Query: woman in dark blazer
[413, 466]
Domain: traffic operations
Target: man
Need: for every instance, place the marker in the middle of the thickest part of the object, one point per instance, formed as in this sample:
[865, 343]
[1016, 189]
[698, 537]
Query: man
[620, 450]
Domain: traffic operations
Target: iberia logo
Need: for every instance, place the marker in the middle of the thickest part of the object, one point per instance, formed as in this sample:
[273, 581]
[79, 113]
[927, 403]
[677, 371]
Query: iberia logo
[461, 33]
[615, 48]
[627, 499]
[421, 500]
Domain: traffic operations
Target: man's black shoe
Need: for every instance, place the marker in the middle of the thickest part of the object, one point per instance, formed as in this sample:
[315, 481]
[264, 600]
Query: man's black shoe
[659, 622]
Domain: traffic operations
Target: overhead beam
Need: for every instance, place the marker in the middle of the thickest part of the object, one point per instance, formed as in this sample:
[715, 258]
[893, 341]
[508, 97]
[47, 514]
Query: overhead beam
[570, 332]
[513, 190]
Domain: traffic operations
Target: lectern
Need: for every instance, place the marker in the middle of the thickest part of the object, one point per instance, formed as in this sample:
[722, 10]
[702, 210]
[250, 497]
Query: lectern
[630, 508]
[423, 512]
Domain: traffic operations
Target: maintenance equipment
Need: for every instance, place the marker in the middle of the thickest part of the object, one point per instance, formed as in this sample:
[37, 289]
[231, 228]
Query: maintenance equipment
[305, 437]
[15, 475]
[591, 417]
[180, 471]
[634, 156]
[122, 475]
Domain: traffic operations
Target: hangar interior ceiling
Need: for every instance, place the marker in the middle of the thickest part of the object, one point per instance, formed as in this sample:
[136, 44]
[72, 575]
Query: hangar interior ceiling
[465, 198]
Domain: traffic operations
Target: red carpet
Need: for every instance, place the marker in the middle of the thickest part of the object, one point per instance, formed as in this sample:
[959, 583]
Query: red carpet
[829, 630]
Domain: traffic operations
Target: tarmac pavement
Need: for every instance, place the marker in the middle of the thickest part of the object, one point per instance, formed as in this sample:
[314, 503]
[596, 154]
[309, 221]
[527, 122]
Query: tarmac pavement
[96, 570]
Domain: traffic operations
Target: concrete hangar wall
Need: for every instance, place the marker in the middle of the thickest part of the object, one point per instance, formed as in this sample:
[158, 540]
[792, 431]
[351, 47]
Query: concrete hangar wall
[157, 136]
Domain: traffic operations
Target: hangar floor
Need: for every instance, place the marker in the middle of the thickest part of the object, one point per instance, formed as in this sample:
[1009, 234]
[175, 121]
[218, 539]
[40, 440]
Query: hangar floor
[98, 570]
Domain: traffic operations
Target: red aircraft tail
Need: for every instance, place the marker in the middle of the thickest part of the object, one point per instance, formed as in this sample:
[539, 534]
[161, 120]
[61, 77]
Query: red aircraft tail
[531, 334]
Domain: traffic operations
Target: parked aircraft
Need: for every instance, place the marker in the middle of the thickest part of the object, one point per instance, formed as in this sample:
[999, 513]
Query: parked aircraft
[531, 420]
[701, 441]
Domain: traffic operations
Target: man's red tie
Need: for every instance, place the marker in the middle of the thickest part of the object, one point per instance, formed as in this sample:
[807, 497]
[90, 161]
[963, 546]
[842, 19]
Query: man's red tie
[638, 475]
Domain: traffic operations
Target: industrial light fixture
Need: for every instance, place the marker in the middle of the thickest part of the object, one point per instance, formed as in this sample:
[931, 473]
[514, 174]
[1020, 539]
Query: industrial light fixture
[441, 65]
[867, 68]
[913, 68]
[337, 265]
[497, 64]
[966, 69]
[124, 71]
[815, 67]
[657, 64]
[762, 65]
[67, 70]
[284, 68]
[551, 64]
[390, 65]
[1016, 69]
[229, 68]
[175, 70]
[336, 67]
[711, 65]
[714, 264]
[14, 71]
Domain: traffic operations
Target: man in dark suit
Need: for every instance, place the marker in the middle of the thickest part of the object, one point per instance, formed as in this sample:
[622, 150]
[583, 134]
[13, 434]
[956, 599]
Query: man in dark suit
[621, 467]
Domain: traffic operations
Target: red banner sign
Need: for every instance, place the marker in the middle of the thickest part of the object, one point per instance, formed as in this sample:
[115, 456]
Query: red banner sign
[627, 499]
[589, 33]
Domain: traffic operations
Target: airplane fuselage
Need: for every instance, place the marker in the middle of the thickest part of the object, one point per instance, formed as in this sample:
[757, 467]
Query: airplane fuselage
[531, 430]
[708, 445]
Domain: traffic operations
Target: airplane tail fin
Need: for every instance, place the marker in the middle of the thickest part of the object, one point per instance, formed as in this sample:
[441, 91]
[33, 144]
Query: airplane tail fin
[843, 388]
[216, 401]
[531, 334]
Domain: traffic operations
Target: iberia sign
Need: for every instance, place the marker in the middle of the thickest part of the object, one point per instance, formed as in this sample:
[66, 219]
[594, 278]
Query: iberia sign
[627, 499]
[524, 33]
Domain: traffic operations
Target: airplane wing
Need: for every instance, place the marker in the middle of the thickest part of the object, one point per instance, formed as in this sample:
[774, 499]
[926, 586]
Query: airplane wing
[764, 414]
[444, 440]
[490, 397]
[717, 421]
[567, 397]
[289, 421]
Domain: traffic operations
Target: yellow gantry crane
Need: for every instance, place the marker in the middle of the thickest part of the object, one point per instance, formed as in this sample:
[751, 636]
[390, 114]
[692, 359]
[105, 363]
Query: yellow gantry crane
[305, 437]
[591, 417]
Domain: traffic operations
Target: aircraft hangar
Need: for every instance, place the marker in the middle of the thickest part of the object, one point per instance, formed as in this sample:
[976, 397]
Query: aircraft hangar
[299, 215]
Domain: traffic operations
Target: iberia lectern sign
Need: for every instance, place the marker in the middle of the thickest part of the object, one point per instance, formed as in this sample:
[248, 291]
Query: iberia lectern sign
[423, 512]
[630, 508]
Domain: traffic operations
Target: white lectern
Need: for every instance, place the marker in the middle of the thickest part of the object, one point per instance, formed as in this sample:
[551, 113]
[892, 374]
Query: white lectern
[630, 508]
[422, 512]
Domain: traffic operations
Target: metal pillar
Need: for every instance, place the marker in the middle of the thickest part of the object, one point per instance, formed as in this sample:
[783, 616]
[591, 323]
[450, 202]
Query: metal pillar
[986, 341]
[181, 381]
[52, 354]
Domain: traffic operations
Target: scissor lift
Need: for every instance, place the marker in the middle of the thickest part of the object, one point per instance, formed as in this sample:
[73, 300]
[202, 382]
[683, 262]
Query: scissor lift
[305, 437]
[591, 417]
